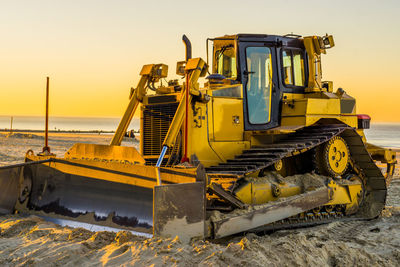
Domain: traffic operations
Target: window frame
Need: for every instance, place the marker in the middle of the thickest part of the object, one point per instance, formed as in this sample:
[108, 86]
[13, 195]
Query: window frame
[216, 63]
[276, 90]
[302, 52]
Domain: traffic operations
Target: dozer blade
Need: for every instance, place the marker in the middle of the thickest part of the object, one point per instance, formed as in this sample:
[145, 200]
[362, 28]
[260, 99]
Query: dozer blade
[105, 193]
[69, 196]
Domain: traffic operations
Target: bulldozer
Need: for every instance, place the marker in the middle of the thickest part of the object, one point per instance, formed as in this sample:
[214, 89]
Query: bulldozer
[233, 155]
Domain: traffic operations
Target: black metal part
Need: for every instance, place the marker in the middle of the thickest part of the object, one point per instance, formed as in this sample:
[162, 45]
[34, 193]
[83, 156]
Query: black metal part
[160, 99]
[363, 123]
[9, 186]
[154, 127]
[11, 181]
[90, 200]
[219, 191]
[188, 46]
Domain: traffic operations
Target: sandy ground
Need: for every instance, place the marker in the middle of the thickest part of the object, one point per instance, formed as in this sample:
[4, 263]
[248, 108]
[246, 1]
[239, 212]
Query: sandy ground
[33, 242]
[14, 147]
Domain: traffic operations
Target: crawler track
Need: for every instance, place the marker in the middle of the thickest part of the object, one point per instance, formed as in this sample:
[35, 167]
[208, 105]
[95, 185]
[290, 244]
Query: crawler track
[261, 157]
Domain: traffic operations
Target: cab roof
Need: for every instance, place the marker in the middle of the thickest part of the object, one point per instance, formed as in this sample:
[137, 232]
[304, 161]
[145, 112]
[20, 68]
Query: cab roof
[286, 40]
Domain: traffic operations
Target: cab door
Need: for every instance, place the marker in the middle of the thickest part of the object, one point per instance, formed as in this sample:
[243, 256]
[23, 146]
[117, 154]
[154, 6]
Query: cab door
[260, 93]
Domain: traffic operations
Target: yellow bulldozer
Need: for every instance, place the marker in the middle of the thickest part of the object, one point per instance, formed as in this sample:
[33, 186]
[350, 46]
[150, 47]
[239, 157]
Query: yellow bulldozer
[265, 144]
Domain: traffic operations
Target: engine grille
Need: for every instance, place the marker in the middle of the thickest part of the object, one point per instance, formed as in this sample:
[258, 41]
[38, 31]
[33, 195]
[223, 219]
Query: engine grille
[156, 122]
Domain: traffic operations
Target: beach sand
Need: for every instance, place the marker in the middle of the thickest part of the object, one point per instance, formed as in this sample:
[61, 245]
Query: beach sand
[14, 147]
[34, 242]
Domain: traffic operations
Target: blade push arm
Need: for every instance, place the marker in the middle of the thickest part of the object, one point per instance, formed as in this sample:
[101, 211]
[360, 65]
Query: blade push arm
[136, 98]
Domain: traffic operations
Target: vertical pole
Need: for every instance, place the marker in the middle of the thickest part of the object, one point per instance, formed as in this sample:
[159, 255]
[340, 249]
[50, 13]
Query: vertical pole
[46, 133]
[11, 125]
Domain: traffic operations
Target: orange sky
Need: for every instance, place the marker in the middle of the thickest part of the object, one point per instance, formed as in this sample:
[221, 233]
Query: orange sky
[93, 50]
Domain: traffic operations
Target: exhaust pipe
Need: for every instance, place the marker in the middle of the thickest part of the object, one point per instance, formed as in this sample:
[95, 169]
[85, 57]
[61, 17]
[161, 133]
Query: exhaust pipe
[188, 46]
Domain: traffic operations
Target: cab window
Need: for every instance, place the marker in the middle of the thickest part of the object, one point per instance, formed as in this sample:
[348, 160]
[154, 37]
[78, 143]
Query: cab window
[259, 84]
[226, 62]
[293, 67]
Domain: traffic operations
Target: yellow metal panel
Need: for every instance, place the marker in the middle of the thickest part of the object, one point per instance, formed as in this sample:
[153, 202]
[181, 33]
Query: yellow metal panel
[199, 135]
[290, 121]
[323, 106]
[310, 120]
[256, 193]
[308, 111]
[147, 69]
[228, 119]
[262, 193]
[100, 152]
[119, 172]
[244, 194]
[294, 107]
[349, 120]
[192, 64]
[345, 194]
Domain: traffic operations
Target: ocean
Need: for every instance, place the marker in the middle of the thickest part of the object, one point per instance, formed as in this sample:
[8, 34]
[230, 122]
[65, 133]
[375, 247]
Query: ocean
[381, 134]
[384, 134]
[65, 123]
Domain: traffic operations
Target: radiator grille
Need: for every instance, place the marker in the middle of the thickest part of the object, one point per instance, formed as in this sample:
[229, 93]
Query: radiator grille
[156, 122]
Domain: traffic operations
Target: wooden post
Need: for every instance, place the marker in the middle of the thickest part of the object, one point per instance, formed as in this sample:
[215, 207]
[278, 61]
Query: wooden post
[11, 125]
[46, 133]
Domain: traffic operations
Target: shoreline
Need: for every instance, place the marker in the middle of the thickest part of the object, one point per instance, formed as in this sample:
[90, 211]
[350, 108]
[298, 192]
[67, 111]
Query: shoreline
[41, 132]
[53, 131]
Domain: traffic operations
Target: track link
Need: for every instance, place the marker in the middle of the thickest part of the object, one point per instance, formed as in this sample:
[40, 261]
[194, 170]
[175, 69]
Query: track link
[260, 157]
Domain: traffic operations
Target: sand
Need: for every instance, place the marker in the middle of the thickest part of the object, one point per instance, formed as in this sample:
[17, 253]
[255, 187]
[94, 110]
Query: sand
[13, 147]
[31, 241]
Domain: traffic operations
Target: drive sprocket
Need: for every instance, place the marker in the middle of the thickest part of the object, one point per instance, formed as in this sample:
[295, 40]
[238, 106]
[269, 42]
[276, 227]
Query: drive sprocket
[332, 157]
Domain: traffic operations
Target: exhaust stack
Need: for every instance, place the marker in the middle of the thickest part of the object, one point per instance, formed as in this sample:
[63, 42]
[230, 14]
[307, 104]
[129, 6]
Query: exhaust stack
[188, 46]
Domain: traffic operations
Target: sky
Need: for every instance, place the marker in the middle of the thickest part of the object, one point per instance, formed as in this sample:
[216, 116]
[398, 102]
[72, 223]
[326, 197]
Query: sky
[93, 50]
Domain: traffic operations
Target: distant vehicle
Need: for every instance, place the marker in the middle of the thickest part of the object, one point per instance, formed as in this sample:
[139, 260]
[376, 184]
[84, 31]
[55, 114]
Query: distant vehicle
[130, 134]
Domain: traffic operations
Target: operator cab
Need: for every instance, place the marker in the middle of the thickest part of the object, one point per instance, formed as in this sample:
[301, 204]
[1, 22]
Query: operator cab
[267, 66]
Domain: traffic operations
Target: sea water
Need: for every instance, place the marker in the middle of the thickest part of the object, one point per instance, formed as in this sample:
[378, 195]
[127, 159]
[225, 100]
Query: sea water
[384, 134]
[381, 134]
[65, 123]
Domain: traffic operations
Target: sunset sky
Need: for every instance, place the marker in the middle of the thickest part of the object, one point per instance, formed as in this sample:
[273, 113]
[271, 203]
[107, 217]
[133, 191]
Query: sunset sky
[93, 50]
